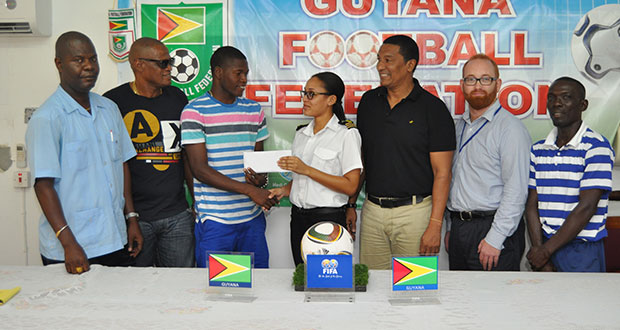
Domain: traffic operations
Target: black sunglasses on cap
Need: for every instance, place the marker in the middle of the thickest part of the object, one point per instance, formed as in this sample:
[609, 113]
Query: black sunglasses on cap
[160, 63]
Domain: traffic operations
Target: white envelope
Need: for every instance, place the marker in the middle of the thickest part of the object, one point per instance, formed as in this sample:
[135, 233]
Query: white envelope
[264, 161]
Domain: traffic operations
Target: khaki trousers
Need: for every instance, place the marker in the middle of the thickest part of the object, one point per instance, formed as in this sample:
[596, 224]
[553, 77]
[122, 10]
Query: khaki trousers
[395, 232]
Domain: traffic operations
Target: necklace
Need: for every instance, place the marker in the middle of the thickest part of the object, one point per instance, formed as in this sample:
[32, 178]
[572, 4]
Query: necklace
[134, 88]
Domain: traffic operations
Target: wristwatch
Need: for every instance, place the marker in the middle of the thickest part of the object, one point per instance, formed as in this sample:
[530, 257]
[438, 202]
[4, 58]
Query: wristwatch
[351, 206]
[131, 215]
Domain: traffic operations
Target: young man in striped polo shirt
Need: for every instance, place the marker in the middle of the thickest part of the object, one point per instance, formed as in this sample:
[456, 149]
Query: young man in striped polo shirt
[570, 181]
[216, 129]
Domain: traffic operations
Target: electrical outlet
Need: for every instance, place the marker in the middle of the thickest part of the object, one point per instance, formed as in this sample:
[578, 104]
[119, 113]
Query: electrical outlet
[21, 179]
[28, 112]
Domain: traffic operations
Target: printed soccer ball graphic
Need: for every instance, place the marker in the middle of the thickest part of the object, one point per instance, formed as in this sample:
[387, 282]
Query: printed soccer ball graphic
[326, 238]
[185, 65]
[362, 49]
[596, 42]
[326, 49]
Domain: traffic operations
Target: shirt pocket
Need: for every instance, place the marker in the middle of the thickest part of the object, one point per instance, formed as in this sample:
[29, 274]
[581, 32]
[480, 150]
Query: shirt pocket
[114, 146]
[86, 225]
[326, 160]
[75, 155]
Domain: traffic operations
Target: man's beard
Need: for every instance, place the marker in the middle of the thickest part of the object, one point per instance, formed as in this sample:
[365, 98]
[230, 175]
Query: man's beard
[480, 102]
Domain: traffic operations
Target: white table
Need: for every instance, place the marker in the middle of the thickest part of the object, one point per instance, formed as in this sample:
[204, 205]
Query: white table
[141, 298]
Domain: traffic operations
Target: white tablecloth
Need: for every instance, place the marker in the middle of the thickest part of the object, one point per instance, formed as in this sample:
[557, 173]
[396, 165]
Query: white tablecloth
[147, 298]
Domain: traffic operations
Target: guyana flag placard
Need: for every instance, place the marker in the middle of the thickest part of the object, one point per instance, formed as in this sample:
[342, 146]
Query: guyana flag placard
[415, 273]
[192, 30]
[230, 270]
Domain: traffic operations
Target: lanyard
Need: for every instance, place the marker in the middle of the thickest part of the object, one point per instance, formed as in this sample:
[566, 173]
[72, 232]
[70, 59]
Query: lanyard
[461, 144]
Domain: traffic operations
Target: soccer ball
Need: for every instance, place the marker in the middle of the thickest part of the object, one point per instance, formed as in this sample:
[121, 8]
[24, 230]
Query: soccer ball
[362, 49]
[326, 238]
[596, 41]
[326, 49]
[185, 65]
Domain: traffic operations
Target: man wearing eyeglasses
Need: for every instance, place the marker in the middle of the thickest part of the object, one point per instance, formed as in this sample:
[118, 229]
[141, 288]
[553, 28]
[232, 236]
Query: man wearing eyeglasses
[489, 177]
[151, 109]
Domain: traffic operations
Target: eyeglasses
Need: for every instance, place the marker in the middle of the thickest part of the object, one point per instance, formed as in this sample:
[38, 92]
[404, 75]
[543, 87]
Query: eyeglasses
[310, 95]
[484, 81]
[160, 63]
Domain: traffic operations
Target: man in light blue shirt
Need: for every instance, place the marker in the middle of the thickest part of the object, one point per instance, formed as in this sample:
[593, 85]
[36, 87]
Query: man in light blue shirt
[489, 177]
[77, 145]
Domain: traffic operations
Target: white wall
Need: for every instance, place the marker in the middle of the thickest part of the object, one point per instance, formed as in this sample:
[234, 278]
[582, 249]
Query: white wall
[28, 78]
[26, 64]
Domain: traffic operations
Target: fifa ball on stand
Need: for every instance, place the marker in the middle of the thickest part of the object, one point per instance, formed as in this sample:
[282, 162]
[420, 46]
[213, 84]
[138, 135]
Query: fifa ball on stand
[326, 238]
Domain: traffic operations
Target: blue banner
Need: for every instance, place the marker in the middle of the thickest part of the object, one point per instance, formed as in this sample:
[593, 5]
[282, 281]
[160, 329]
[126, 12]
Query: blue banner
[533, 42]
[329, 271]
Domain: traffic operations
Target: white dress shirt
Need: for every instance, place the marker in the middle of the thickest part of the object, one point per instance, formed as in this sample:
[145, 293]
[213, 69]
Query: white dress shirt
[335, 150]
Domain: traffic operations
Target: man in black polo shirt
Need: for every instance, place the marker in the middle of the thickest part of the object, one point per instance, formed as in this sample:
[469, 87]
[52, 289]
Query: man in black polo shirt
[407, 143]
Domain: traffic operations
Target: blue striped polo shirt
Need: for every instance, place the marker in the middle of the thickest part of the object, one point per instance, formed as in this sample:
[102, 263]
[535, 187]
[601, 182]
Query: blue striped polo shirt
[559, 174]
[227, 130]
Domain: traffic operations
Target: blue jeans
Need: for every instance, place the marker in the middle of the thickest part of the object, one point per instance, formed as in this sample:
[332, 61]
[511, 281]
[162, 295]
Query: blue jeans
[168, 242]
[249, 236]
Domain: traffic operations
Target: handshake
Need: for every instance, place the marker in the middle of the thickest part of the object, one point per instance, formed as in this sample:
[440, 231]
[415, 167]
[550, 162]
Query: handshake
[262, 197]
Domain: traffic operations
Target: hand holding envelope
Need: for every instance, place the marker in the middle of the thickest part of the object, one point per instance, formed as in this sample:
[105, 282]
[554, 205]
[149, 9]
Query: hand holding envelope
[264, 161]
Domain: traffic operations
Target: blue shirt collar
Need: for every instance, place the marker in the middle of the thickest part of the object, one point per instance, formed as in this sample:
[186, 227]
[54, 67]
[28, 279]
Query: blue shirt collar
[70, 104]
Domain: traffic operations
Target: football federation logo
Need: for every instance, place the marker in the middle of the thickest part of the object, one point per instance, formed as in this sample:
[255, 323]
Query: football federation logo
[119, 43]
[192, 32]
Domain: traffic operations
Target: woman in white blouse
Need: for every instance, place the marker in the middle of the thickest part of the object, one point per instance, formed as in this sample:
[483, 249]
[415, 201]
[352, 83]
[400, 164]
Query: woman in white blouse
[326, 160]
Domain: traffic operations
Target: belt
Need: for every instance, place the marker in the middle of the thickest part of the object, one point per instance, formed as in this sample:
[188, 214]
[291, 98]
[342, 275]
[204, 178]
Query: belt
[319, 210]
[471, 215]
[392, 202]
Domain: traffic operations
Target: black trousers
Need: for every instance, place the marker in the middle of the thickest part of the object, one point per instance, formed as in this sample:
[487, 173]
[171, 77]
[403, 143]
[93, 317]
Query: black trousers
[465, 237]
[302, 219]
[120, 258]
